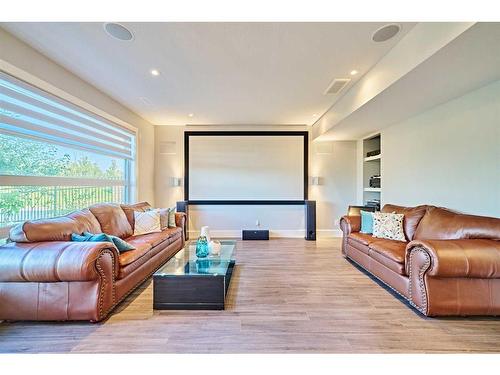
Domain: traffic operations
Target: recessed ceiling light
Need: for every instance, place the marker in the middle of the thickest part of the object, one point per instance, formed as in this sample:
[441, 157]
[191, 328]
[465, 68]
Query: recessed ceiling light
[315, 115]
[354, 72]
[191, 115]
[155, 72]
[118, 31]
[386, 32]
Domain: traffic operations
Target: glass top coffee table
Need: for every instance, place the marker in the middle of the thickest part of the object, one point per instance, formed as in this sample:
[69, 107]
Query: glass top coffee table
[187, 282]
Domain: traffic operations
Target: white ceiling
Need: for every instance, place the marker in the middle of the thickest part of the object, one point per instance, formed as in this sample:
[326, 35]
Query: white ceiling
[467, 63]
[224, 73]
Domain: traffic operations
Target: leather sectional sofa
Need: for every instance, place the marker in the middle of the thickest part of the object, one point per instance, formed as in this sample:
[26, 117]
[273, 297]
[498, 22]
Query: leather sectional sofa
[45, 276]
[449, 264]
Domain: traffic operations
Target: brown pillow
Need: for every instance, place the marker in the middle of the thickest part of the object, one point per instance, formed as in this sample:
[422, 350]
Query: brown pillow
[112, 219]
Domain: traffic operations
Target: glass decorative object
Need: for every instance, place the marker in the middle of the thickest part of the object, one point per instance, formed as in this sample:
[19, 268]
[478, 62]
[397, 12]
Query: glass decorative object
[202, 247]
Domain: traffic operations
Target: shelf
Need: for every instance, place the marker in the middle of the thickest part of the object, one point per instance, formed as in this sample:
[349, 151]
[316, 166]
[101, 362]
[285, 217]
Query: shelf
[373, 190]
[375, 157]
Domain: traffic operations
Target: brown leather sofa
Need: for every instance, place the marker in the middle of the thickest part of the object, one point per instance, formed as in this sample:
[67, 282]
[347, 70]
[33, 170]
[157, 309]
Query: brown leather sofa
[45, 276]
[449, 264]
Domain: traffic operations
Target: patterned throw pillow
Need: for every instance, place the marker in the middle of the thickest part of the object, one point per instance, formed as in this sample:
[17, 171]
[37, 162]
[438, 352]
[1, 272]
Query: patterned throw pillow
[146, 222]
[389, 226]
[171, 217]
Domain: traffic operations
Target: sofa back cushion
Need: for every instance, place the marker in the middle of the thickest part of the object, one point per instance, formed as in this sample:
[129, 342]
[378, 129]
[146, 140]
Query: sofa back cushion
[55, 229]
[130, 208]
[412, 217]
[112, 219]
[442, 224]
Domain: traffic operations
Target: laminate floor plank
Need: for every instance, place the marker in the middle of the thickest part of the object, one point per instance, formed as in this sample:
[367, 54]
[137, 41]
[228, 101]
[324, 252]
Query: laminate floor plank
[286, 296]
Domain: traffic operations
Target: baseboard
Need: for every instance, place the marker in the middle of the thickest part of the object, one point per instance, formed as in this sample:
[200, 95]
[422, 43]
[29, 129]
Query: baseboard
[329, 233]
[279, 233]
[273, 233]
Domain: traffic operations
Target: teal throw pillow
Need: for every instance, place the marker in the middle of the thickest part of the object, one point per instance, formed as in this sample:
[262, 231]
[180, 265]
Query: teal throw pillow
[120, 244]
[366, 222]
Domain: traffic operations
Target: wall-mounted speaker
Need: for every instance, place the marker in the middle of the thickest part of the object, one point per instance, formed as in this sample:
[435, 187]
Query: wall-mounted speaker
[168, 148]
[310, 219]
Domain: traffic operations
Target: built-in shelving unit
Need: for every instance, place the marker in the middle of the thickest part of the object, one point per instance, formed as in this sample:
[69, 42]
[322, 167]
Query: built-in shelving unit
[371, 167]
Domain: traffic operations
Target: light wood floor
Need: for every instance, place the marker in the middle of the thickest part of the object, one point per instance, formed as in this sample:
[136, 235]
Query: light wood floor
[287, 295]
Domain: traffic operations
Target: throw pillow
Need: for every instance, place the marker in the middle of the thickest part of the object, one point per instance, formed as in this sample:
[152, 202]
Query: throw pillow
[146, 222]
[171, 217]
[366, 222]
[120, 244]
[389, 226]
[164, 214]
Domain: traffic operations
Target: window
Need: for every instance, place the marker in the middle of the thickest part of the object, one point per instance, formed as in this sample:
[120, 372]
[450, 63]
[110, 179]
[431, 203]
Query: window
[56, 157]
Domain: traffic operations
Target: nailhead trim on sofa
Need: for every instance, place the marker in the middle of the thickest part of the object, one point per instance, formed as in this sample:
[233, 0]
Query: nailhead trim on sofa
[102, 275]
[421, 282]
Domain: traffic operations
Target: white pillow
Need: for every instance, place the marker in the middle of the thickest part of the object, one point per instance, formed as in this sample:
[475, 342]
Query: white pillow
[146, 222]
[389, 226]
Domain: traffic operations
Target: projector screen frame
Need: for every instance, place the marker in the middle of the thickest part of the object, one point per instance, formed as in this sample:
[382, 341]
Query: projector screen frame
[303, 134]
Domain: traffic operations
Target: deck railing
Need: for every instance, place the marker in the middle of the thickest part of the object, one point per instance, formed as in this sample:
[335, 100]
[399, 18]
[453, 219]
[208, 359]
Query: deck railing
[21, 203]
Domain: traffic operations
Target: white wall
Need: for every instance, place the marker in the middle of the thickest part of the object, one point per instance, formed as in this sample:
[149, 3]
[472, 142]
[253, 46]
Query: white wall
[448, 156]
[335, 164]
[336, 167]
[15, 52]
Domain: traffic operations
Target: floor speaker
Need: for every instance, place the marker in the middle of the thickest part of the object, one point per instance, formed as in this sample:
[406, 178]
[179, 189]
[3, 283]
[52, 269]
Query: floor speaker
[261, 234]
[310, 216]
[183, 206]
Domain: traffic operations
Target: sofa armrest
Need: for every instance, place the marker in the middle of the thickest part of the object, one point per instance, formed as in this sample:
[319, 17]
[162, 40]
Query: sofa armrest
[350, 224]
[468, 258]
[56, 261]
[180, 219]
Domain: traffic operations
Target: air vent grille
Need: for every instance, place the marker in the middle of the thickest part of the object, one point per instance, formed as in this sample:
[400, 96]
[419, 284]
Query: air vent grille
[337, 85]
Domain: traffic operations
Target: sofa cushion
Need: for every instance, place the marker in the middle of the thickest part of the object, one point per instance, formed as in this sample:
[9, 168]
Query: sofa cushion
[412, 216]
[390, 253]
[363, 238]
[55, 229]
[442, 224]
[141, 250]
[358, 246]
[155, 239]
[112, 219]
[129, 210]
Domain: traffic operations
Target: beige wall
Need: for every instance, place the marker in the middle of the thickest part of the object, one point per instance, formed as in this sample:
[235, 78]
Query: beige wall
[448, 156]
[333, 162]
[16, 53]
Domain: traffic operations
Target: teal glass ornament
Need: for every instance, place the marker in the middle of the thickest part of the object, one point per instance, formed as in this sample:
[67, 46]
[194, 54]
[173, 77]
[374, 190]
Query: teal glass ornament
[202, 247]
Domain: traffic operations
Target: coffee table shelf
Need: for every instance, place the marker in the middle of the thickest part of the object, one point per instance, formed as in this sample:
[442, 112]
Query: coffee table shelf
[186, 282]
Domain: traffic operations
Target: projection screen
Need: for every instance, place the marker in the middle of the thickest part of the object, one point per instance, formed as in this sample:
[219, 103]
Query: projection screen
[246, 167]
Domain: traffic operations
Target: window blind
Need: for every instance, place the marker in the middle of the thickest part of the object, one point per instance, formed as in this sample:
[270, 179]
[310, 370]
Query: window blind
[31, 112]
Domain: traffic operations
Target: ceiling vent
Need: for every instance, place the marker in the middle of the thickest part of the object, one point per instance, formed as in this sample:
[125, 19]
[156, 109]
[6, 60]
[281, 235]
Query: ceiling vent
[337, 85]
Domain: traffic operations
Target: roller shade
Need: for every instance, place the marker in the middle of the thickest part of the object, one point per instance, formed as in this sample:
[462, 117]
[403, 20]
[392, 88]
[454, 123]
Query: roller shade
[31, 112]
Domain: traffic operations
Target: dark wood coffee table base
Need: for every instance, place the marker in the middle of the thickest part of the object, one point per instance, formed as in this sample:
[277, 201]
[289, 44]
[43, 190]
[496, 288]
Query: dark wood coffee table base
[191, 292]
